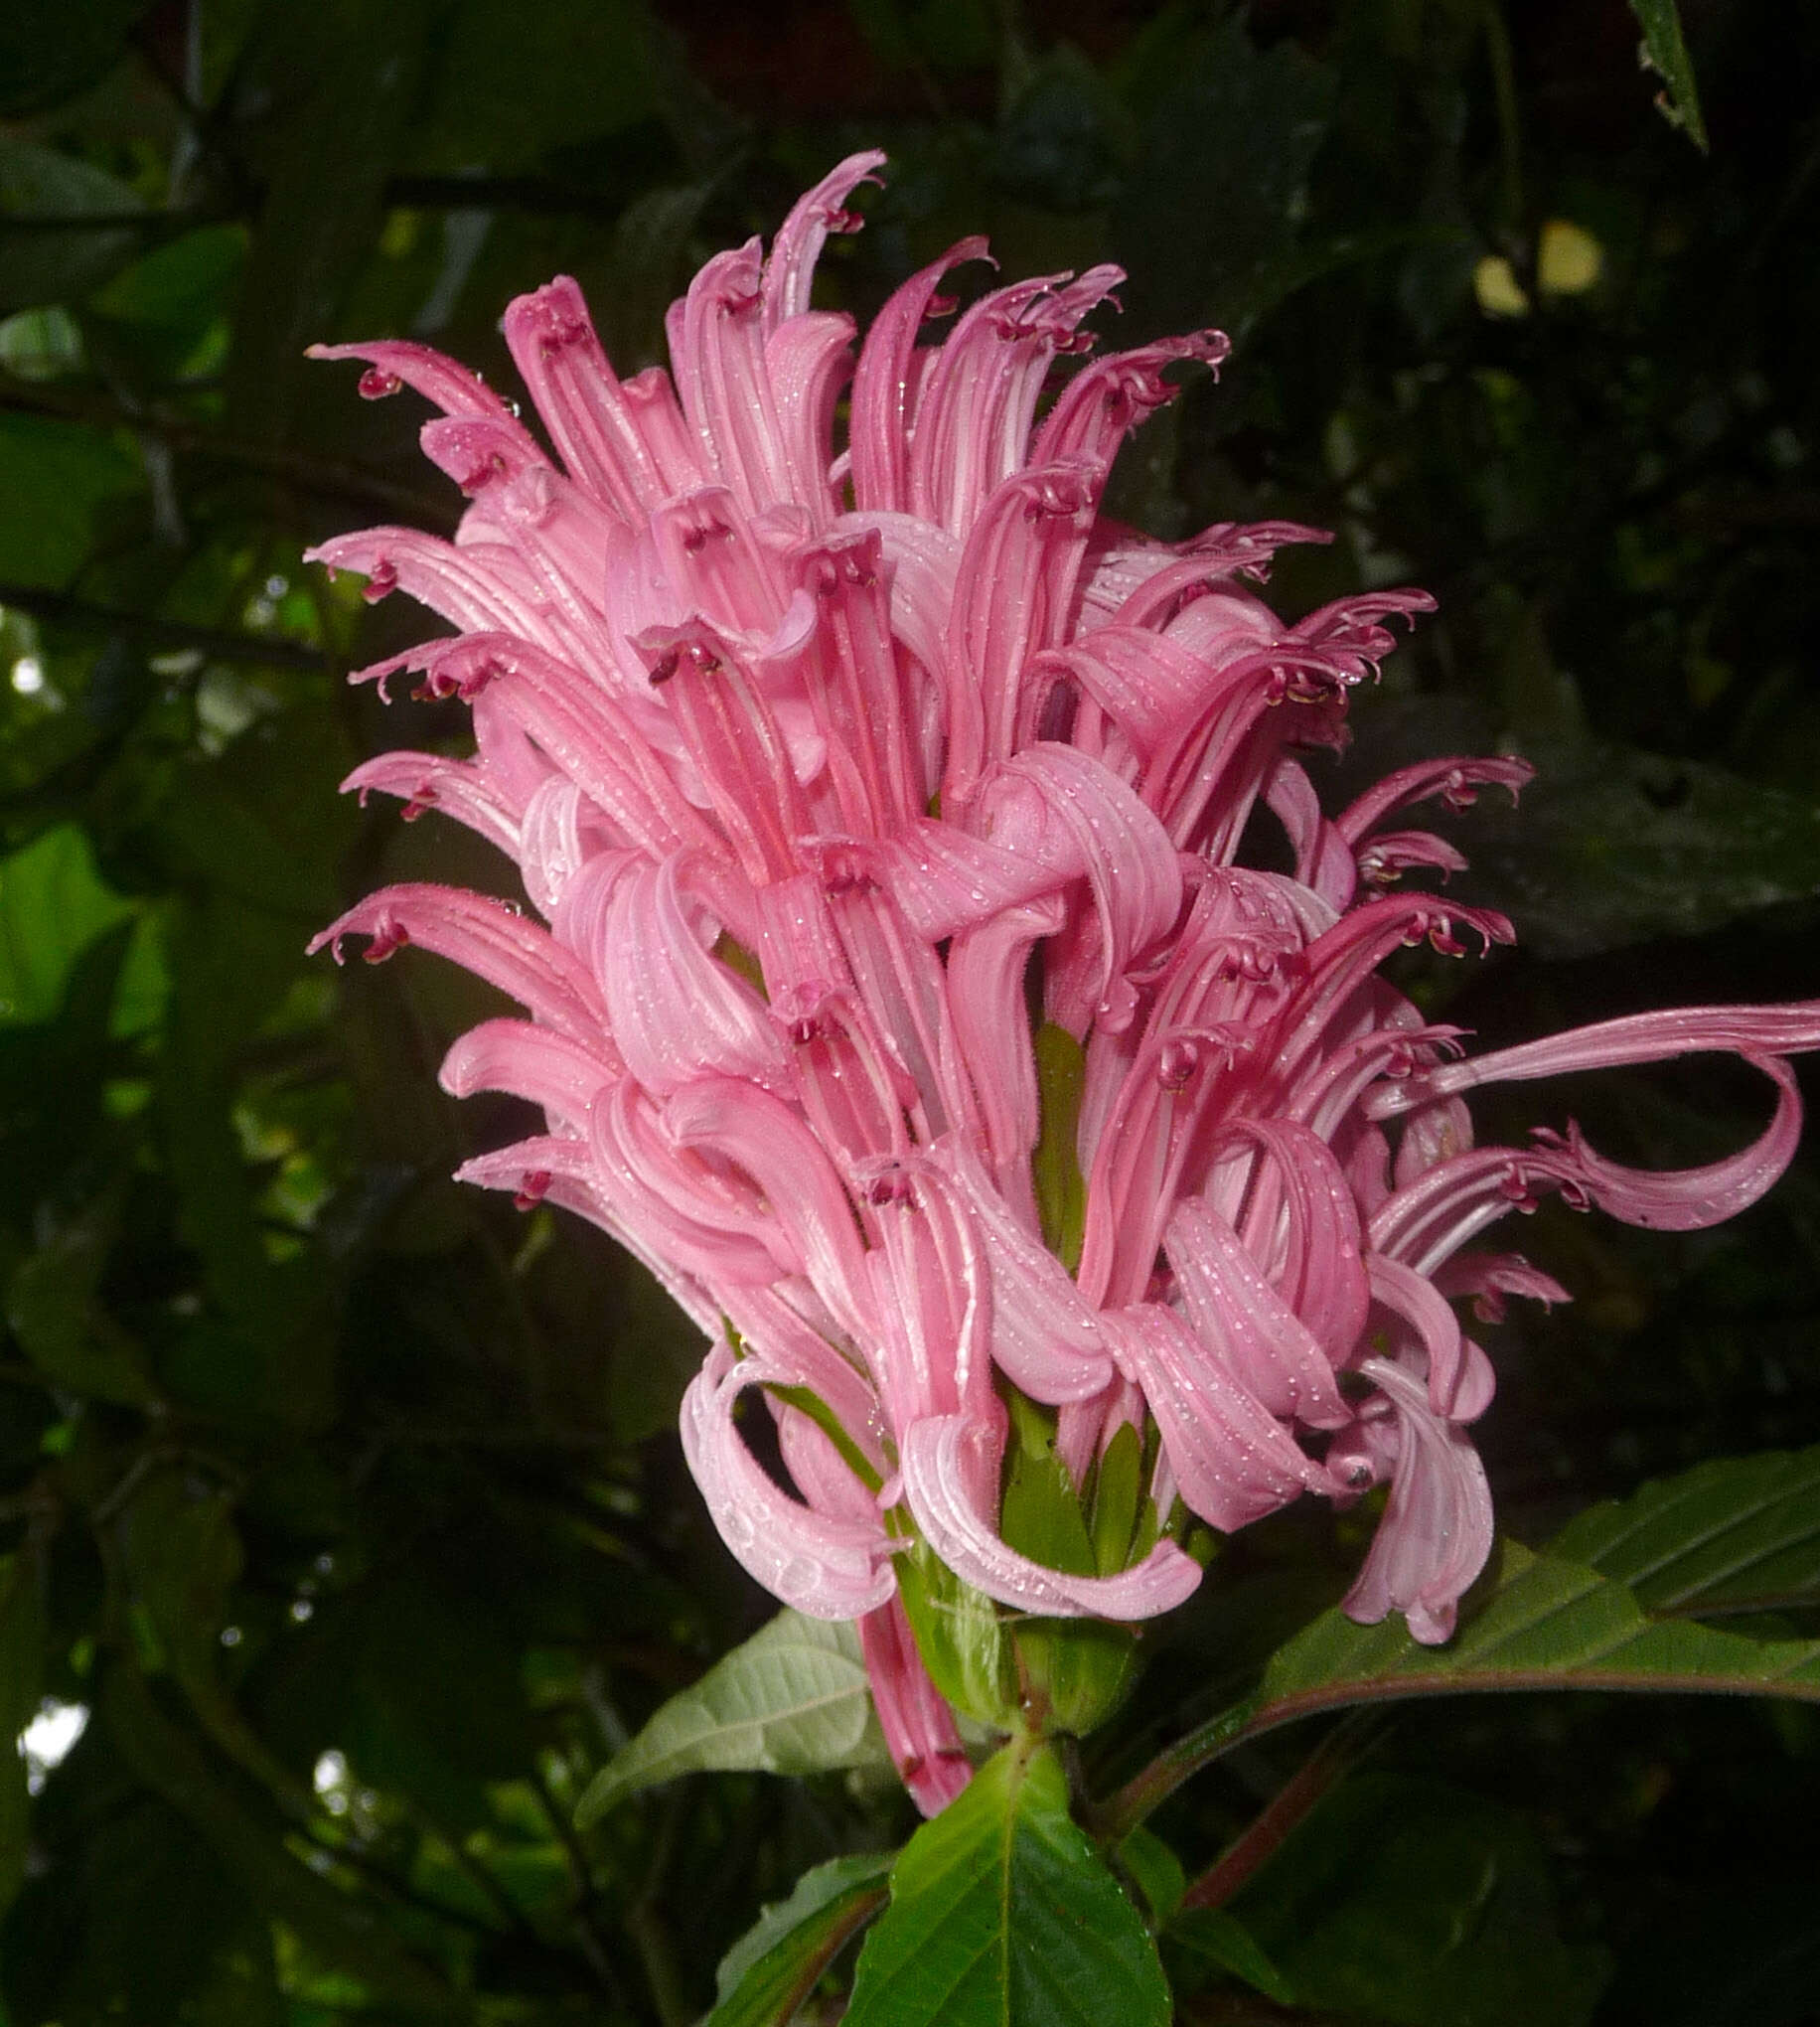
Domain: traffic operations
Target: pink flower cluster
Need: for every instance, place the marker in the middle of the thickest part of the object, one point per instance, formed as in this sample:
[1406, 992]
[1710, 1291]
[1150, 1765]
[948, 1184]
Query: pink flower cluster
[899, 998]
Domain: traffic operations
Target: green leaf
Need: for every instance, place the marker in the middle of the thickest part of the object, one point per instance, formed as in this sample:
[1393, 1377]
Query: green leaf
[774, 1965]
[1118, 1488]
[39, 267]
[60, 478]
[1214, 1939]
[1156, 1870]
[52, 1309]
[793, 1699]
[1737, 1534]
[1003, 1914]
[1408, 1901]
[1221, 177]
[52, 905]
[1613, 845]
[1543, 1622]
[1664, 51]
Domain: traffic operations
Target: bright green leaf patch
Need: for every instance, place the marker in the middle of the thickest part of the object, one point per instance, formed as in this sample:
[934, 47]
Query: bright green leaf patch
[792, 1700]
[1003, 1914]
[53, 907]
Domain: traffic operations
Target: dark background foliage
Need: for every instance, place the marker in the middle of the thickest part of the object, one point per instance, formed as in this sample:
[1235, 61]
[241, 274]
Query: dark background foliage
[345, 1504]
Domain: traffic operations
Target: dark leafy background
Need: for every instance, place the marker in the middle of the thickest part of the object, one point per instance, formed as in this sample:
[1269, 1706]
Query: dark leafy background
[346, 1502]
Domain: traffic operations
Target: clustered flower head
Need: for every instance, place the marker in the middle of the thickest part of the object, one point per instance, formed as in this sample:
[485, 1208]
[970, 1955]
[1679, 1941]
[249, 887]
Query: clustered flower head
[898, 995]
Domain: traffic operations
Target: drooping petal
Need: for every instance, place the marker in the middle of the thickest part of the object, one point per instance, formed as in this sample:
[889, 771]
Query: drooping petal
[1435, 1533]
[1046, 1338]
[827, 1566]
[1414, 1300]
[918, 1725]
[1233, 1461]
[1260, 1339]
[485, 936]
[535, 1063]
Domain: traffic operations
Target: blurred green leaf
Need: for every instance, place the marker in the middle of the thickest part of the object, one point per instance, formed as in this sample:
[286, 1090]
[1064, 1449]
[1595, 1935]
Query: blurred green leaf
[53, 907]
[1406, 1900]
[1218, 188]
[1612, 847]
[1737, 1534]
[39, 185]
[1155, 1869]
[774, 1966]
[349, 75]
[511, 84]
[1664, 51]
[53, 1311]
[60, 478]
[792, 1700]
[1214, 1939]
[168, 300]
[1004, 1913]
[1542, 1622]
[175, 1764]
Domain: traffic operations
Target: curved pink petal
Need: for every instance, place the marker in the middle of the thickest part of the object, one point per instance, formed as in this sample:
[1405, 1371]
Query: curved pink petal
[946, 1458]
[578, 397]
[1437, 1533]
[1234, 1462]
[1413, 1299]
[455, 388]
[455, 788]
[1046, 1338]
[1261, 1340]
[1456, 780]
[1750, 1031]
[800, 238]
[484, 936]
[536, 1063]
[824, 1565]
[769, 1141]
[883, 378]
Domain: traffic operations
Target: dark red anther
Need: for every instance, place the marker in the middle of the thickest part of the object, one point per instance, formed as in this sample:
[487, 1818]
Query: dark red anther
[388, 936]
[381, 581]
[376, 383]
[942, 306]
[532, 1189]
[424, 799]
[665, 667]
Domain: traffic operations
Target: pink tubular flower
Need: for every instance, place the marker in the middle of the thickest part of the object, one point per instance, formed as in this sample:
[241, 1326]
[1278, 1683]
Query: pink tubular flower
[898, 998]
